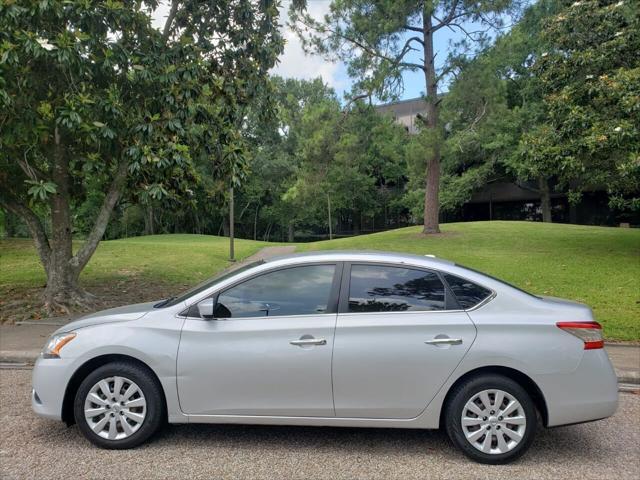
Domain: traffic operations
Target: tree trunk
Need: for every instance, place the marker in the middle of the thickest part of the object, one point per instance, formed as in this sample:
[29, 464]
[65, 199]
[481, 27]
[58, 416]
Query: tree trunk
[62, 278]
[291, 233]
[432, 188]
[329, 219]
[545, 199]
[196, 217]
[33, 224]
[149, 221]
[255, 223]
[231, 225]
[62, 268]
[267, 233]
[9, 224]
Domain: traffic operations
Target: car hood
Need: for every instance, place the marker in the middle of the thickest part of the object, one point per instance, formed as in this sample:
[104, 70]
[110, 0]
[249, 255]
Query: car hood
[118, 314]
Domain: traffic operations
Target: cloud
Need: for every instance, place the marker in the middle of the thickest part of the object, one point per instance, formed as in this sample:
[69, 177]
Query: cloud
[160, 14]
[295, 63]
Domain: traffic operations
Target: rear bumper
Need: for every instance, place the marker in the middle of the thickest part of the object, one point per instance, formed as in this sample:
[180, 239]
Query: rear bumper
[50, 379]
[589, 393]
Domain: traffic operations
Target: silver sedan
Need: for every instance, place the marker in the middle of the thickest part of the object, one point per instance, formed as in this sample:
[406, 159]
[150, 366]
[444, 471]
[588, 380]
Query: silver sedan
[334, 339]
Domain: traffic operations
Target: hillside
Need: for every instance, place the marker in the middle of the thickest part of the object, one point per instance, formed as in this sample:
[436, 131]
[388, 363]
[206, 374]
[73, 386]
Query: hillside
[596, 265]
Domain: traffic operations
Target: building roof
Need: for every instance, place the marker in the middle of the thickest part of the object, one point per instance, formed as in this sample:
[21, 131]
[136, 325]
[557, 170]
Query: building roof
[401, 108]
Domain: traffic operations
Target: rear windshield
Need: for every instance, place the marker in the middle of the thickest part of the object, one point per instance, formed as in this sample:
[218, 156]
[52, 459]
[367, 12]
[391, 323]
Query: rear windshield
[210, 282]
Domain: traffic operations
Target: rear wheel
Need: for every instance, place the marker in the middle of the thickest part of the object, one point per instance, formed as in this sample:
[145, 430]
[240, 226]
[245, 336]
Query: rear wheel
[491, 418]
[119, 405]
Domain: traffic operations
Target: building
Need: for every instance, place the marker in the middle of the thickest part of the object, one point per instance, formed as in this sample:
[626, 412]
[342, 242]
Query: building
[506, 199]
[405, 112]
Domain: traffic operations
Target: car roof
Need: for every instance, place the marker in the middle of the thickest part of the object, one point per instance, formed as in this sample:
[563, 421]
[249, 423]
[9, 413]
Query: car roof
[359, 256]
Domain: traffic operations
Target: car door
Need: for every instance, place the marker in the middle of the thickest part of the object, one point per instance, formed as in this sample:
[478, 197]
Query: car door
[269, 353]
[399, 336]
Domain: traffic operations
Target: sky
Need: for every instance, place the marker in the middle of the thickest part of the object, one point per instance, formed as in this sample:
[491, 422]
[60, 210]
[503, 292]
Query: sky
[294, 63]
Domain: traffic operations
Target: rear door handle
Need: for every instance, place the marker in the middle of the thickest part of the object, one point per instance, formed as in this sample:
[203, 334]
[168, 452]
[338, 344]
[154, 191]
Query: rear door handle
[444, 341]
[308, 341]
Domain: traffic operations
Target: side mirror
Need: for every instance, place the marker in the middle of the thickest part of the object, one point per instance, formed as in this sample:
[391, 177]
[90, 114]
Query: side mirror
[205, 308]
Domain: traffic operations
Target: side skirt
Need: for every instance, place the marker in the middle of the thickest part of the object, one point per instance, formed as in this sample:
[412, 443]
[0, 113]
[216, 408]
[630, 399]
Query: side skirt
[308, 421]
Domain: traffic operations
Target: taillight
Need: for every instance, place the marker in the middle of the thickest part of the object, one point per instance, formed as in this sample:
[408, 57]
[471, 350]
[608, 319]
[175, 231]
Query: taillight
[589, 332]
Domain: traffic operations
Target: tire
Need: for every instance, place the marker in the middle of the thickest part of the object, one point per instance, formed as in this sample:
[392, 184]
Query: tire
[136, 410]
[491, 438]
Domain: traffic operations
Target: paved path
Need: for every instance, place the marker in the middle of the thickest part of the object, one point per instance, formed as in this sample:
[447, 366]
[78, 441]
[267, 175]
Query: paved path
[267, 252]
[34, 448]
[626, 360]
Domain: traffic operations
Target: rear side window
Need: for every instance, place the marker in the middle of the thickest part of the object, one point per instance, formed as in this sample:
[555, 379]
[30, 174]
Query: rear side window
[292, 291]
[467, 293]
[375, 288]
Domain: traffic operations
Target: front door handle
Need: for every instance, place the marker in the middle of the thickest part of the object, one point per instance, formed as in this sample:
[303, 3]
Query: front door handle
[444, 341]
[308, 341]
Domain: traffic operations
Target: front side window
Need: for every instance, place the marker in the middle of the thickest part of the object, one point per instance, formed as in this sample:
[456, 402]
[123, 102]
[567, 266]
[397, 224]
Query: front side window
[375, 288]
[207, 284]
[291, 291]
[467, 293]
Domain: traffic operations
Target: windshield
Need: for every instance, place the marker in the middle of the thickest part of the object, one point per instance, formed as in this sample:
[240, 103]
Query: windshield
[209, 282]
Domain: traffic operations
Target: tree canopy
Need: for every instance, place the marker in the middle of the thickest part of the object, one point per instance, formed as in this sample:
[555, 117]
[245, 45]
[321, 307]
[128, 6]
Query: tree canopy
[379, 40]
[589, 80]
[94, 100]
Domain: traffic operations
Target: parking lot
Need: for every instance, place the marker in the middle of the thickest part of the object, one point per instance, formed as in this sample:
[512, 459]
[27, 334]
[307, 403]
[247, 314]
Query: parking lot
[31, 447]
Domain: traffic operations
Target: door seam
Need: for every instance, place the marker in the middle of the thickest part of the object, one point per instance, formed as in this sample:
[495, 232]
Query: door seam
[335, 332]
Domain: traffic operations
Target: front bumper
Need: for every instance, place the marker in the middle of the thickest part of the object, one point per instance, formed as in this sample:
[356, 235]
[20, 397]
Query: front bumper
[588, 393]
[50, 379]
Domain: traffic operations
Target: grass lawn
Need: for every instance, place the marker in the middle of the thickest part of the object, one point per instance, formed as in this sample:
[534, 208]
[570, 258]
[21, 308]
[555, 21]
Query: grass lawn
[599, 266]
[174, 259]
[596, 265]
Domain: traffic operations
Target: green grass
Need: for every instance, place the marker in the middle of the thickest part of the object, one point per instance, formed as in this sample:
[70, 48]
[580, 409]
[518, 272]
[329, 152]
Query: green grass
[596, 265]
[178, 259]
[599, 266]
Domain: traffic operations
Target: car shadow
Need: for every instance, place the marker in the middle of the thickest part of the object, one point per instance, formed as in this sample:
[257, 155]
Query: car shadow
[557, 444]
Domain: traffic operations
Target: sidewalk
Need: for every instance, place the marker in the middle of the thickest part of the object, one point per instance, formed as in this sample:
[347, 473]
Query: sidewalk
[22, 344]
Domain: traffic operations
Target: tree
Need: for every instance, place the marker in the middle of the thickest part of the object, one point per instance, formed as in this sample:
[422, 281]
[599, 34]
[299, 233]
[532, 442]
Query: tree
[489, 106]
[589, 79]
[93, 98]
[275, 145]
[349, 164]
[381, 39]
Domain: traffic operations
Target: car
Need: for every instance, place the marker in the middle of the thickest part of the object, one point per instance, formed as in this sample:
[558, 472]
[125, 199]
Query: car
[357, 339]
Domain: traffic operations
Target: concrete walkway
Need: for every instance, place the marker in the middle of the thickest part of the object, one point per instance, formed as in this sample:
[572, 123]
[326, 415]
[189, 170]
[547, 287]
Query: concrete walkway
[626, 360]
[267, 252]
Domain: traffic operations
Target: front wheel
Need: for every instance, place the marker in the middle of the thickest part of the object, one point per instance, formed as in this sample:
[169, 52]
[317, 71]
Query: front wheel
[491, 418]
[119, 405]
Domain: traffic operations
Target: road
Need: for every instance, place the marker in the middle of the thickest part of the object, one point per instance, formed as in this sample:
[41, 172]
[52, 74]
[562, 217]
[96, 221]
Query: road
[31, 447]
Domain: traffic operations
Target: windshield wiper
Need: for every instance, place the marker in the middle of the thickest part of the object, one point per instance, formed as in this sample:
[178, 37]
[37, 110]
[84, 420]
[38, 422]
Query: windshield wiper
[162, 303]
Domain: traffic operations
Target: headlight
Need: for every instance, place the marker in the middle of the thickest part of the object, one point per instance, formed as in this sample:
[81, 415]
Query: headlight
[55, 344]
